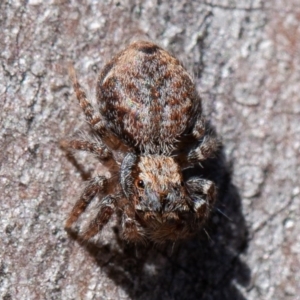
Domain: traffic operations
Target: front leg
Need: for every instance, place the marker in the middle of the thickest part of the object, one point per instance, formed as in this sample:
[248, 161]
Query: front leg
[131, 229]
[203, 195]
[95, 186]
[107, 208]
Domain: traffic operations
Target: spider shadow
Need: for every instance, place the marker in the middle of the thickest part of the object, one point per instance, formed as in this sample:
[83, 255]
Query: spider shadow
[205, 267]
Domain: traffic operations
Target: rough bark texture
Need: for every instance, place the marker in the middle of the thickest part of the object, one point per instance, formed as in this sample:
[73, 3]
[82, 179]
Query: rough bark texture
[245, 57]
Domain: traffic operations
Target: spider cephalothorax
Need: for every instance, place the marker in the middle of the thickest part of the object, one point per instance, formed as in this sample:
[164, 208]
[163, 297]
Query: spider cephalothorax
[148, 129]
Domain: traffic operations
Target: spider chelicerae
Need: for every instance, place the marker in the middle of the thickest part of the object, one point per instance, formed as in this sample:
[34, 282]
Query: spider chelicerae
[149, 132]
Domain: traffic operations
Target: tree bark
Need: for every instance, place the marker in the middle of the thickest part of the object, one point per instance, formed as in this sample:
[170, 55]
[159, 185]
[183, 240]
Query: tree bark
[245, 59]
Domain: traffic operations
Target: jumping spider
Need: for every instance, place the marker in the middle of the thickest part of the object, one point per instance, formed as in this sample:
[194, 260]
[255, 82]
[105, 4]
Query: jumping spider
[149, 131]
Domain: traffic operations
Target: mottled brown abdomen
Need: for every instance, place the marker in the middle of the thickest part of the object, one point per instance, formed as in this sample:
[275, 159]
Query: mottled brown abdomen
[147, 97]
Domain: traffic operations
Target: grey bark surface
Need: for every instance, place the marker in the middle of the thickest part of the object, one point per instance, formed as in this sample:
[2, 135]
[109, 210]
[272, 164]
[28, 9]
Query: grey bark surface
[245, 59]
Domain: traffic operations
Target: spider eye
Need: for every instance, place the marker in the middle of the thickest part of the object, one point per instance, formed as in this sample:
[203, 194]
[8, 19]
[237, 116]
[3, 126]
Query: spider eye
[140, 184]
[182, 183]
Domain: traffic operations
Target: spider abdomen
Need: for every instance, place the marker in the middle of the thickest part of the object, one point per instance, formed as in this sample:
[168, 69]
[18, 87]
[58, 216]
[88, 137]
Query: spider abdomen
[147, 98]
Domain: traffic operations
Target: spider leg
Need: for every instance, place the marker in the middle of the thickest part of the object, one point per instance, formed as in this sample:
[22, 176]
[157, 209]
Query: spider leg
[207, 144]
[131, 230]
[96, 185]
[205, 149]
[199, 128]
[97, 123]
[97, 148]
[203, 194]
[107, 208]
[92, 117]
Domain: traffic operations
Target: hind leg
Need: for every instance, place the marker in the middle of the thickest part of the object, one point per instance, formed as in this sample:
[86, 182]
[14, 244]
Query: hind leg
[95, 120]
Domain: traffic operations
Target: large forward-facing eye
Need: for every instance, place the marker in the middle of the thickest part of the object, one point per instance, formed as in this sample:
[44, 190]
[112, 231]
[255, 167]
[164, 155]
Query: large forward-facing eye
[139, 184]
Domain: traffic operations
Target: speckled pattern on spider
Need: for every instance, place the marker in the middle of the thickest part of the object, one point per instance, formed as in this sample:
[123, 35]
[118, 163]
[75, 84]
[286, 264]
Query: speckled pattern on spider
[148, 129]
